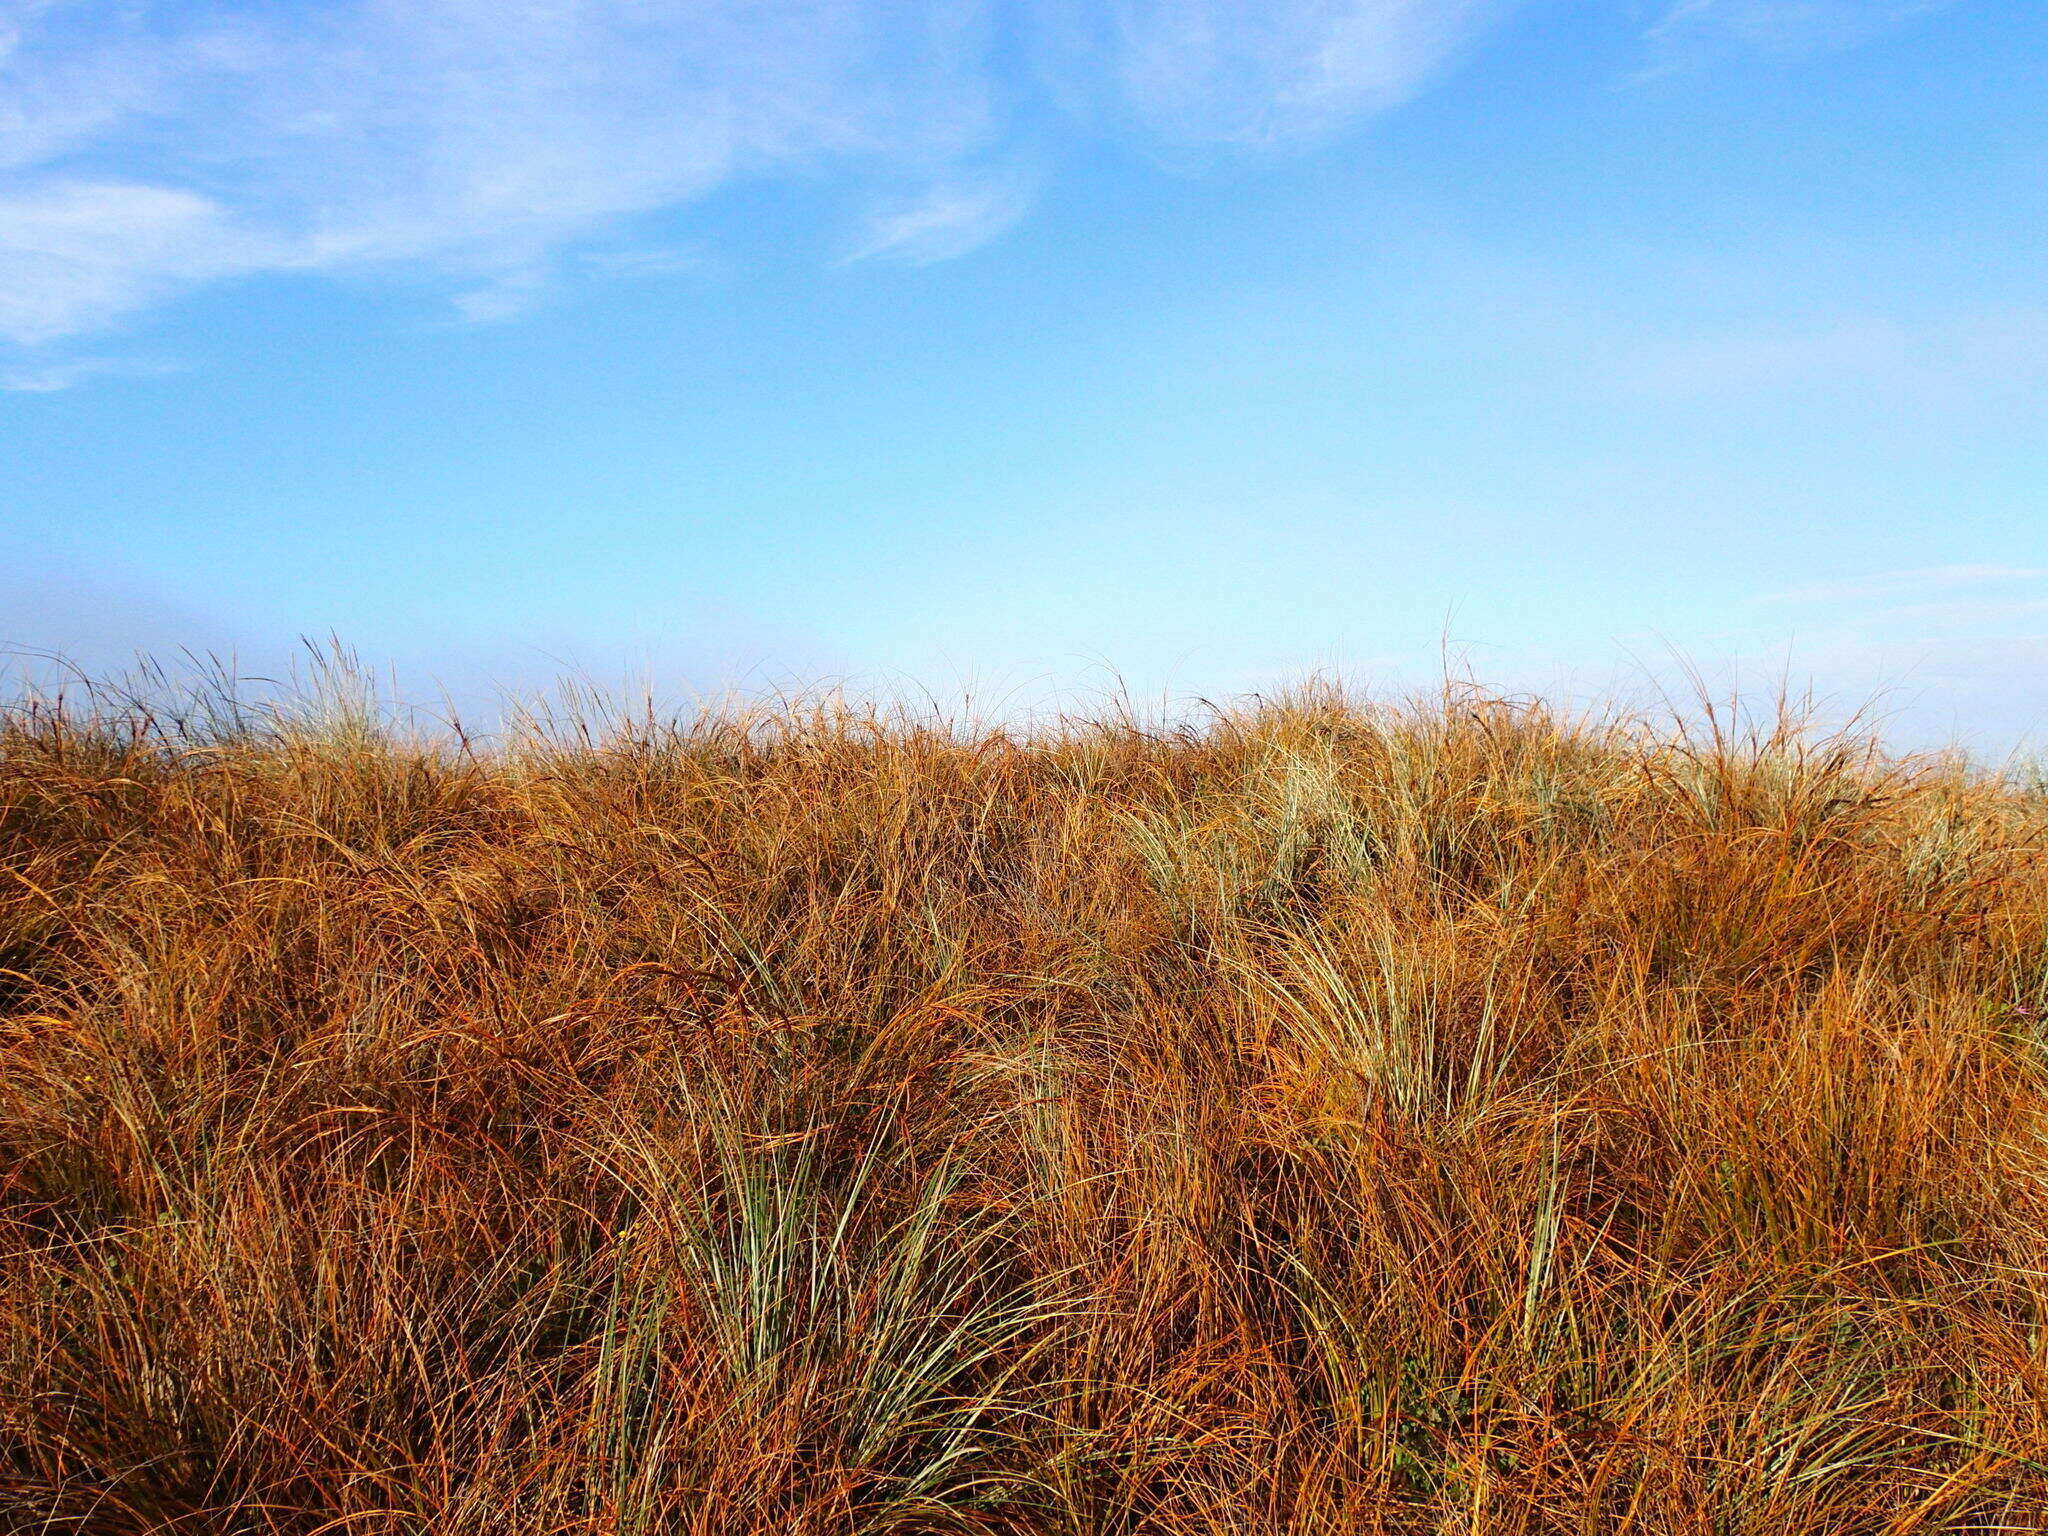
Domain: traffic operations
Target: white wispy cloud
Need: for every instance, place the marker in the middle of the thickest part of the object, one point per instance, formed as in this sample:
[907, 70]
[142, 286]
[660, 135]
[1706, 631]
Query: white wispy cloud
[1887, 586]
[77, 255]
[1925, 360]
[154, 147]
[945, 220]
[49, 376]
[1282, 71]
[644, 261]
[1943, 650]
[469, 138]
[1780, 25]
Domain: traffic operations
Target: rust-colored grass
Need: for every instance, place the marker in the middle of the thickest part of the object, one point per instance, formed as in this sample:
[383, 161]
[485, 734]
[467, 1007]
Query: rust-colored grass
[1319, 1119]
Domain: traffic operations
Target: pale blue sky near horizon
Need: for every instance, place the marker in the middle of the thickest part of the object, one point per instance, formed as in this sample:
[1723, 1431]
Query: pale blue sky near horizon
[1015, 346]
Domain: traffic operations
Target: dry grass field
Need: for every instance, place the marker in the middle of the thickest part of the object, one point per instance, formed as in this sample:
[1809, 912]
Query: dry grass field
[1319, 1118]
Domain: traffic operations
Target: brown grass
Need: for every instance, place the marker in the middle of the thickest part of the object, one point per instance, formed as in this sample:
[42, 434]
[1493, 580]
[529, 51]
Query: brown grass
[1453, 1118]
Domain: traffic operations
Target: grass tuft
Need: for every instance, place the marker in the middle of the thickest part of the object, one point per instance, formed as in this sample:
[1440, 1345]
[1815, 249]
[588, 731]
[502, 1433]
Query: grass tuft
[1320, 1118]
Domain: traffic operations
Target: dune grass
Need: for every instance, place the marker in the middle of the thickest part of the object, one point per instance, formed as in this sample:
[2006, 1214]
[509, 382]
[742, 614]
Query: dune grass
[1318, 1118]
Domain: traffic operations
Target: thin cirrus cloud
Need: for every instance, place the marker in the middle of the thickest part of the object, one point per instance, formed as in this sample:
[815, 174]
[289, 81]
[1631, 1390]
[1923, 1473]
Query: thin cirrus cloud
[474, 139]
[949, 218]
[1222, 71]
[1950, 643]
[1949, 359]
[157, 147]
[1780, 25]
[50, 375]
[160, 146]
[1917, 586]
[77, 255]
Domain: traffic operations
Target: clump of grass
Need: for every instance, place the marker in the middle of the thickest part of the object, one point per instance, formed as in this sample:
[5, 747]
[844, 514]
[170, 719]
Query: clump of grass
[1318, 1118]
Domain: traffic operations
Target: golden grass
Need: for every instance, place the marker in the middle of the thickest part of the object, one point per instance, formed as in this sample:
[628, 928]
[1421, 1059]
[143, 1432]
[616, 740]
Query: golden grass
[1323, 1119]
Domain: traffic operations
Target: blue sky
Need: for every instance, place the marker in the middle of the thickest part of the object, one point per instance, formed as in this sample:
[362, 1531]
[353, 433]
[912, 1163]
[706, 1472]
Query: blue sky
[1007, 346]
